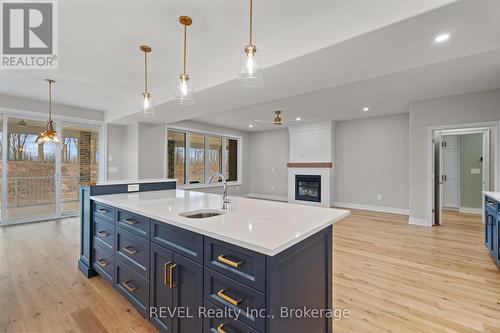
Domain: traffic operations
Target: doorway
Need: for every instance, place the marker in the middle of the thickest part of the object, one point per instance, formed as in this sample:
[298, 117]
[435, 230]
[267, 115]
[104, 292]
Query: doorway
[41, 182]
[462, 165]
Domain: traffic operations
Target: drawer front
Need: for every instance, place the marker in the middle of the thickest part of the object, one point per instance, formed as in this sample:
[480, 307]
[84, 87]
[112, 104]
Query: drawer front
[186, 243]
[133, 250]
[223, 323]
[243, 265]
[104, 234]
[104, 264]
[225, 292]
[133, 287]
[134, 223]
[103, 211]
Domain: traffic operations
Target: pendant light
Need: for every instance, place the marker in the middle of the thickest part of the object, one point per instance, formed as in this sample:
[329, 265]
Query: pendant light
[250, 73]
[184, 94]
[49, 135]
[146, 102]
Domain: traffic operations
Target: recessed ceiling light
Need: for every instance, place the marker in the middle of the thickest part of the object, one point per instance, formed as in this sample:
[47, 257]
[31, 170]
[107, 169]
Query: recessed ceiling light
[250, 126]
[298, 119]
[442, 38]
[366, 109]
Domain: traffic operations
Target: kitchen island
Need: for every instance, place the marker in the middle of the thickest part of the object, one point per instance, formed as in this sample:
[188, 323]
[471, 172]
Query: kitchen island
[189, 266]
[492, 225]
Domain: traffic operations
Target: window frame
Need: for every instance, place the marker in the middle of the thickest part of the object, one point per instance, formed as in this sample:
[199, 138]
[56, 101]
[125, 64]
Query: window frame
[188, 132]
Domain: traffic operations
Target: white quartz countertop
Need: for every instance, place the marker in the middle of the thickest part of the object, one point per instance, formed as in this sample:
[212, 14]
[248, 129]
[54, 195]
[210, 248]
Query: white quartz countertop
[266, 227]
[493, 195]
[136, 181]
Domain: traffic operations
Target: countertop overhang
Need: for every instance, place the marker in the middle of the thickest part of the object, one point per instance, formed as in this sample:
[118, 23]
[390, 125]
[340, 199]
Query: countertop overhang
[266, 227]
[493, 195]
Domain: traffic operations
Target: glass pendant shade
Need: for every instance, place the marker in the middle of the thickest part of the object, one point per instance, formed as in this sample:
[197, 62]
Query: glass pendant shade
[250, 72]
[48, 135]
[184, 94]
[146, 105]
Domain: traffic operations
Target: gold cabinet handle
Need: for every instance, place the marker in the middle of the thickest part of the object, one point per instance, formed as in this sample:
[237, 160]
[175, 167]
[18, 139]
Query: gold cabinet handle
[129, 250]
[165, 279]
[130, 221]
[220, 328]
[102, 233]
[222, 258]
[102, 210]
[171, 276]
[127, 286]
[102, 263]
[231, 300]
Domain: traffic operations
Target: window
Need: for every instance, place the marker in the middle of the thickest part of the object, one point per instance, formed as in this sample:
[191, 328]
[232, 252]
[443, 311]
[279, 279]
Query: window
[176, 155]
[192, 158]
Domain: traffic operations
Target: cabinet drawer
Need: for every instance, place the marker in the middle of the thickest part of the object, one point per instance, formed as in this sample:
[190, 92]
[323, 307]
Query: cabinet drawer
[225, 292]
[133, 287]
[133, 250]
[246, 266]
[224, 324]
[103, 211]
[137, 224]
[104, 234]
[104, 264]
[186, 243]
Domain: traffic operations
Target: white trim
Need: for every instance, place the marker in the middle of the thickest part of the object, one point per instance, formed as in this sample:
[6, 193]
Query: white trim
[265, 196]
[495, 140]
[383, 209]
[420, 222]
[470, 210]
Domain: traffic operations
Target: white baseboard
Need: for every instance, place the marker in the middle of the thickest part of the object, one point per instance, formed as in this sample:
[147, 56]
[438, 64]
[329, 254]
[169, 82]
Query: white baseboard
[469, 210]
[419, 221]
[265, 196]
[382, 209]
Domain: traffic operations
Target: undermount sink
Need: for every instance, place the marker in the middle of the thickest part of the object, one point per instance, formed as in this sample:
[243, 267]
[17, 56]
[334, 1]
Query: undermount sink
[202, 213]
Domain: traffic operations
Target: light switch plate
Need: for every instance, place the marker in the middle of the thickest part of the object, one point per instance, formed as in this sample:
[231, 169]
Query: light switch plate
[133, 187]
[475, 171]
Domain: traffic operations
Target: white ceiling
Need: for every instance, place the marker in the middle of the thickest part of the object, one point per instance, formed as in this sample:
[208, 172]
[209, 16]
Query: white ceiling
[336, 55]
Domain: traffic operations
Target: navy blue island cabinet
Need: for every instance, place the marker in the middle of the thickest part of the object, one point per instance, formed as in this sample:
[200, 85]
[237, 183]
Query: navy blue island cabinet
[492, 225]
[185, 282]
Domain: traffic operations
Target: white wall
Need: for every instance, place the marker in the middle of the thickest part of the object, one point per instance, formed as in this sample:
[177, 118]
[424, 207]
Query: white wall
[372, 158]
[268, 163]
[460, 109]
[151, 150]
[131, 152]
[116, 151]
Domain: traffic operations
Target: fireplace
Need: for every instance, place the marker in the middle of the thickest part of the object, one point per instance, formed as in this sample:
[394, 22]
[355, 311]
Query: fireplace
[308, 188]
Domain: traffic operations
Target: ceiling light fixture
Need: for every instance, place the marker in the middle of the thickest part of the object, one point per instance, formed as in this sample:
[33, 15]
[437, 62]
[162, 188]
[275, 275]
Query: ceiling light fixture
[146, 103]
[49, 135]
[251, 126]
[250, 73]
[366, 109]
[277, 118]
[442, 38]
[184, 94]
[298, 119]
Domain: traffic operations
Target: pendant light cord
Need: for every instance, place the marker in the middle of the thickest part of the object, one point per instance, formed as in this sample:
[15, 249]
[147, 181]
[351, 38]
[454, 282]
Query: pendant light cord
[185, 48]
[50, 101]
[251, 18]
[146, 72]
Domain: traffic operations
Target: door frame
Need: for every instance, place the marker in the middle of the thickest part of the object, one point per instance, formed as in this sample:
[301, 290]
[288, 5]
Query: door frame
[59, 121]
[493, 126]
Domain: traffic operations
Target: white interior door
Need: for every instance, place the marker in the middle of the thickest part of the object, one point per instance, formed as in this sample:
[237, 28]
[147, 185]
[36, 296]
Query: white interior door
[450, 175]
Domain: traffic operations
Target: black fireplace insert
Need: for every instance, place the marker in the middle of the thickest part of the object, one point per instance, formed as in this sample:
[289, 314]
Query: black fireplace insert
[308, 188]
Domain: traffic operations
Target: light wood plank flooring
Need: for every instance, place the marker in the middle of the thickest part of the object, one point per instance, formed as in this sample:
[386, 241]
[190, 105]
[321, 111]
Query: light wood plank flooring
[393, 277]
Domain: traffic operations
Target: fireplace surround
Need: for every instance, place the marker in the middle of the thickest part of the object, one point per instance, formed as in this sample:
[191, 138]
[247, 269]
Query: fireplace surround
[308, 188]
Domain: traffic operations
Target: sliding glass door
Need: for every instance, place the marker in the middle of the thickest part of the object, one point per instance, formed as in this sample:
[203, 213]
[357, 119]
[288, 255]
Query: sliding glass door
[41, 182]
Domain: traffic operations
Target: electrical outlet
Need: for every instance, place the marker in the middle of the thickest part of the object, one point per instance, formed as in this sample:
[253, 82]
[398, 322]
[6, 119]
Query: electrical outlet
[379, 196]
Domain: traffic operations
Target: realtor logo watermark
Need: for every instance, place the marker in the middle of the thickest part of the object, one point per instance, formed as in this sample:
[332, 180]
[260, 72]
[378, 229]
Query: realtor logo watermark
[29, 34]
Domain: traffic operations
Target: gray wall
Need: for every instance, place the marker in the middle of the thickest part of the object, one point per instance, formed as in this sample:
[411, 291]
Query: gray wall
[471, 186]
[268, 162]
[151, 150]
[116, 137]
[371, 158]
[460, 109]
[131, 152]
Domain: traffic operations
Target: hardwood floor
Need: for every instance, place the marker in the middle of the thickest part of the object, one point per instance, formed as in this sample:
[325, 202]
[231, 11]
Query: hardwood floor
[391, 276]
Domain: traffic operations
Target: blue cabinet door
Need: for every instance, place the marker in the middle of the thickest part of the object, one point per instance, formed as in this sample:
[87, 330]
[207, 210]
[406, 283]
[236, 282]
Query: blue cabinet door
[496, 238]
[488, 229]
[188, 295]
[161, 293]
